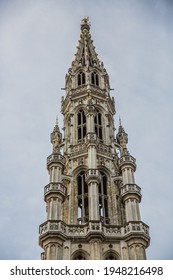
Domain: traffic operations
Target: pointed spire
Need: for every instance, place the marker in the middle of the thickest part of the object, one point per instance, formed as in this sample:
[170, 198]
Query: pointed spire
[119, 121]
[57, 120]
[56, 127]
[56, 137]
[86, 54]
[122, 137]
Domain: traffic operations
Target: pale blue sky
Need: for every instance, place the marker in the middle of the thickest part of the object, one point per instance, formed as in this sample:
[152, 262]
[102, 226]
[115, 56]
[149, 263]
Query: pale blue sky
[38, 38]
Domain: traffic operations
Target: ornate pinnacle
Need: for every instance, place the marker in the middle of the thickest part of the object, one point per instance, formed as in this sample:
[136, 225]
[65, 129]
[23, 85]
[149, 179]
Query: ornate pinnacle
[56, 137]
[85, 24]
[122, 137]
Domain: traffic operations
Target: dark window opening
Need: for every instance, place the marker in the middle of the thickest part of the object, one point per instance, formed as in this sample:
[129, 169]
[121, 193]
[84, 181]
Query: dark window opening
[81, 78]
[79, 133]
[103, 200]
[98, 125]
[80, 257]
[92, 78]
[95, 78]
[79, 119]
[110, 257]
[83, 206]
[81, 125]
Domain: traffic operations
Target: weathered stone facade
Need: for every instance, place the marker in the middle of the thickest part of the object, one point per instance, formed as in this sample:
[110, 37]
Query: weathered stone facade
[92, 198]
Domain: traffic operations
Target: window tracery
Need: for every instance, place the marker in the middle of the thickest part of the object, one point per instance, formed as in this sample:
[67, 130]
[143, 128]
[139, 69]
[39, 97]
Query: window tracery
[81, 78]
[83, 210]
[81, 125]
[98, 124]
[103, 201]
[110, 256]
[95, 78]
[79, 257]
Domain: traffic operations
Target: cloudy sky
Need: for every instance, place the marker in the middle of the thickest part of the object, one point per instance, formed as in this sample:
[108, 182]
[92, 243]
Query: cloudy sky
[38, 38]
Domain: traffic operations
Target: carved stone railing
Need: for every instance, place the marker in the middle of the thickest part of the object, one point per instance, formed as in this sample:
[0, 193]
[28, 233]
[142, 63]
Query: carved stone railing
[97, 90]
[130, 188]
[111, 230]
[79, 89]
[94, 227]
[137, 227]
[53, 226]
[55, 187]
[78, 149]
[104, 149]
[55, 158]
[127, 158]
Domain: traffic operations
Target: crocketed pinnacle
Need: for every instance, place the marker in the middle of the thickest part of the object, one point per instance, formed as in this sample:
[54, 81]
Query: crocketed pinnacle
[86, 54]
[56, 127]
[122, 138]
[56, 137]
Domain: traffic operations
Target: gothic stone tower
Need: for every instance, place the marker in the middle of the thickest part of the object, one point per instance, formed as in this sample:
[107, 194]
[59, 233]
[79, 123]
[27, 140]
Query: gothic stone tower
[92, 198]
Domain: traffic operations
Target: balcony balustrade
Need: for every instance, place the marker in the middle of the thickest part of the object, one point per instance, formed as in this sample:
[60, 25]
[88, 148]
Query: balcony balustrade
[93, 227]
[55, 188]
[55, 158]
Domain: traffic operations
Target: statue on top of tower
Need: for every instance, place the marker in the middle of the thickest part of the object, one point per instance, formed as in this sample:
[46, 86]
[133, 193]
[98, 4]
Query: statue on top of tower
[122, 138]
[56, 137]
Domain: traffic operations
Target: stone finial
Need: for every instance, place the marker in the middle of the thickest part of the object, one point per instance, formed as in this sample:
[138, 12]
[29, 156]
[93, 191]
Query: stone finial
[56, 137]
[85, 24]
[122, 136]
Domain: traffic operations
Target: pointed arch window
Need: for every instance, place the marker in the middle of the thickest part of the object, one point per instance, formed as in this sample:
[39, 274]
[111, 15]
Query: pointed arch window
[98, 125]
[95, 78]
[111, 256]
[80, 257]
[103, 199]
[83, 210]
[81, 78]
[81, 125]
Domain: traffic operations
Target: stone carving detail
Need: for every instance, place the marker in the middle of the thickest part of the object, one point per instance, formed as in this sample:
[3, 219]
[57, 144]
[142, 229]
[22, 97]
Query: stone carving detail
[104, 149]
[83, 230]
[55, 158]
[130, 188]
[55, 187]
[79, 149]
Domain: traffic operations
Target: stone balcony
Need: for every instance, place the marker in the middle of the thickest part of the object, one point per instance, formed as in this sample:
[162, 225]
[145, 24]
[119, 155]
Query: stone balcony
[53, 188]
[55, 159]
[79, 149]
[127, 159]
[104, 150]
[136, 228]
[130, 189]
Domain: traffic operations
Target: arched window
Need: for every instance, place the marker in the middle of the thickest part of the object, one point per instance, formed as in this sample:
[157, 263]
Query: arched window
[81, 125]
[103, 200]
[80, 257]
[98, 124]
[95, 78]
[81, 78]
[83, 210]
[111, 256]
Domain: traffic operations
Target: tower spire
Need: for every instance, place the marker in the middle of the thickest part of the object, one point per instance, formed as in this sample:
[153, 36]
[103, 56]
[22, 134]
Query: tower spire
[86, 54]
[92, 198]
